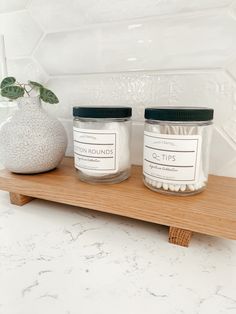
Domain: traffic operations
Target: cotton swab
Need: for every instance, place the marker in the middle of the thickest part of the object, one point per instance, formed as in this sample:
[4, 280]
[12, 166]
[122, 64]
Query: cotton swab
[178, 130]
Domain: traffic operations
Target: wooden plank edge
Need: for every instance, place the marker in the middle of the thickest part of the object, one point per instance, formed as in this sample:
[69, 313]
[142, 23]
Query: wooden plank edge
[133, 215]
[35, 193]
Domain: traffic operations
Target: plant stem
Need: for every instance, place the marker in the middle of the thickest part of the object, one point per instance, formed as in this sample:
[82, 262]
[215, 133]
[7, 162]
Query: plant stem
[30, 90]
[24, 87]
[27, 92]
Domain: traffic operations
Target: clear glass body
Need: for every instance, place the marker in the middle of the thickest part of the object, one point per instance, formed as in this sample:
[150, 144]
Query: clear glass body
[119, 126]
[180, 130]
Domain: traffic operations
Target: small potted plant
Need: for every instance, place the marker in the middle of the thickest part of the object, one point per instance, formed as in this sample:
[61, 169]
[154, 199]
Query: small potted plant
[31, 141]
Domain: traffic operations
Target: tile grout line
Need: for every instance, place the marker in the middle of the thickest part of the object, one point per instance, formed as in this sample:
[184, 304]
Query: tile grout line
[170, 71]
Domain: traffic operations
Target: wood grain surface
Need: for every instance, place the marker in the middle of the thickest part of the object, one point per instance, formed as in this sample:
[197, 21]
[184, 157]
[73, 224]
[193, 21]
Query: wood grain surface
[179, 236]
[212, 212]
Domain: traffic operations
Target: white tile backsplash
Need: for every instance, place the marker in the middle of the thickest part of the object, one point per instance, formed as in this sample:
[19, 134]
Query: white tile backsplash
[130, 52]
[159, 43]
[12, 5]
[56, 15]
[28, 68]
[228, 170]
[230, 127]
[141, 89]
[231, 68]
[21, 33]
[222, 152]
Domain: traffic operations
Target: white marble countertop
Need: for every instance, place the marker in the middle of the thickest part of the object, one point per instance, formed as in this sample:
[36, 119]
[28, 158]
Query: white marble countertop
[58, 259]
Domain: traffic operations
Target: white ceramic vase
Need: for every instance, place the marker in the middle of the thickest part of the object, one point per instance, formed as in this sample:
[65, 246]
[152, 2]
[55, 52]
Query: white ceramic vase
[31, 141]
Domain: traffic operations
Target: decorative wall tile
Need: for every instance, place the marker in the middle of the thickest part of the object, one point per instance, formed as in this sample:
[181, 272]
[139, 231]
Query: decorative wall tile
[61, 14]
[12, 5]
[232, 8]
[196, 88]
[185, 41]
[231, 68]
[222, 152]
[230, 127]
[25, 69]
[228, 170]
[130, 52]
[139, 90]
[21, 33]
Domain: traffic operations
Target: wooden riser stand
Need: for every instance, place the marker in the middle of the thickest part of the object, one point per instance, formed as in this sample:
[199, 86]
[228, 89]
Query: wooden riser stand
[212, 212]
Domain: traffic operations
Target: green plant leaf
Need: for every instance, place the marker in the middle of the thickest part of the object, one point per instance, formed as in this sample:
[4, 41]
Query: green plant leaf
[48, 96]
[12, 92]
[7, 81]
[35, 84]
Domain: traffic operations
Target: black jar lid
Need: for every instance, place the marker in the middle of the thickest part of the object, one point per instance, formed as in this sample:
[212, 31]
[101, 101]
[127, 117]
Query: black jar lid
[102, 112]
[169, 113]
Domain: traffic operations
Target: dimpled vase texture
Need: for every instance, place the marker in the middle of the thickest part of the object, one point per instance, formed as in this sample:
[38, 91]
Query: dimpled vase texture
[31, 141]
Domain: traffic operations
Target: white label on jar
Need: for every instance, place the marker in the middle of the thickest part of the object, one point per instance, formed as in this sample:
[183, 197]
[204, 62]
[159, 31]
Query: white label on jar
[96, 150]
[172, 158]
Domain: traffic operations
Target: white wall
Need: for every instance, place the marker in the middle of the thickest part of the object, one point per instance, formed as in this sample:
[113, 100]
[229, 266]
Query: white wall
[130, 52]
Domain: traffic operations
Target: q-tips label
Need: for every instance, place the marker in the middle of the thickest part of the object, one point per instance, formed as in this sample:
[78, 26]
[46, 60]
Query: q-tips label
[96, 150]
[172, 158]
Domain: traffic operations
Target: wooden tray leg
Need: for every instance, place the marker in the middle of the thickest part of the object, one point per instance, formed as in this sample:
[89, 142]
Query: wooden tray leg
[19, 199]
[179, 236]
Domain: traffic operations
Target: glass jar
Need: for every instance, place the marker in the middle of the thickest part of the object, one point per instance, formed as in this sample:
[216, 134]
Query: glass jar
[102, 143]
[176, 149]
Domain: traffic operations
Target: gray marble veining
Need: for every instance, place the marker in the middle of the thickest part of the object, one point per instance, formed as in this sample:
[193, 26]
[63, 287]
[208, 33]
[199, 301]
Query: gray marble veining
[59, 259]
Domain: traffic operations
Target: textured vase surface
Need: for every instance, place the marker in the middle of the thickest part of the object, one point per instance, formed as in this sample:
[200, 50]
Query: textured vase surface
[31, 141]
